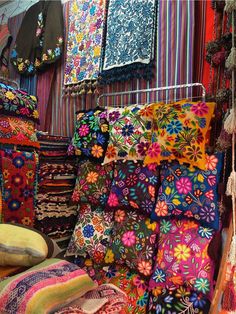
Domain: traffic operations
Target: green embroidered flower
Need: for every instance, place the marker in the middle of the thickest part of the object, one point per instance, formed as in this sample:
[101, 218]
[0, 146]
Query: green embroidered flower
[202, 284]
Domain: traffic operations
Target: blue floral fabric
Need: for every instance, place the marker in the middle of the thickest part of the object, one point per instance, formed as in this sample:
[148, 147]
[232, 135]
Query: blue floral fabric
[129, 38]
[190, 193]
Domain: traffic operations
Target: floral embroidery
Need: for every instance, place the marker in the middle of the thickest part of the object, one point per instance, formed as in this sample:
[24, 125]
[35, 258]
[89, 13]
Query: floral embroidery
[18, 189]
[190, 193]
[179, 132]
[93, 184]
[180, 300]
[130, 132]
[133, 186]
[91, 234]
[18, 103]
[16, 131]
[91, 135]
[182, 257]
[84, 40]
[132, 242]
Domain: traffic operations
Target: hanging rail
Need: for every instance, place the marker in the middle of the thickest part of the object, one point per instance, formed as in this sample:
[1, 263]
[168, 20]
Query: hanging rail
[155, 90]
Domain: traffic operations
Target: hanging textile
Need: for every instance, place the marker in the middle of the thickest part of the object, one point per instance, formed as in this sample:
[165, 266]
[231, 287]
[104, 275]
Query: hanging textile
[84, 45]
[43, 27]
[18, 186]
[130, 37]
[5, 42]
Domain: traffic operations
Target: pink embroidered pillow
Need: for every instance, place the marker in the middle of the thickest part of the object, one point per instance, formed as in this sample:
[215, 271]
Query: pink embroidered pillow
[182, 256]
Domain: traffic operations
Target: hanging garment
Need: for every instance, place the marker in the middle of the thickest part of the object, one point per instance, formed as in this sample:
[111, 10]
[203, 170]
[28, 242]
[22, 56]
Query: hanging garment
[84, 44]
[5, 42]
[40, 38]
[130, 38]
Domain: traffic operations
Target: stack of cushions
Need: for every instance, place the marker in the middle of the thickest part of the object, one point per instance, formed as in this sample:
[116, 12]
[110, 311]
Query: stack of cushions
[161, 194]
[18, 115]
[44, 288]
[55, 213]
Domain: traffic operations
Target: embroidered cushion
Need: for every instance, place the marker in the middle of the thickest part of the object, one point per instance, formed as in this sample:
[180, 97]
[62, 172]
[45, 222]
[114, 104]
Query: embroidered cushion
[17, 131]
[130, 132]
[91, 135]
[179, 132]
[180, 300]
[44, 288]
[15, 102]
[91, 234]
[182, 256]
[93, 184]
[133, 242]
[134, 186]
[190, 193]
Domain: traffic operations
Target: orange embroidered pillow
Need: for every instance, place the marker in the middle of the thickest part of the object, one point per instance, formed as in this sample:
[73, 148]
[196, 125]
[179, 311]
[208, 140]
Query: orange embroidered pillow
[179, 132]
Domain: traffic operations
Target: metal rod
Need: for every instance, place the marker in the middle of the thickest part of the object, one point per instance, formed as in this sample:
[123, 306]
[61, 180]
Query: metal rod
[155, 89]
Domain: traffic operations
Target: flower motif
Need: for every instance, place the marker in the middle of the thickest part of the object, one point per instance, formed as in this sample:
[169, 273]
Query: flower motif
[17, 180]
[205, 232]
[114, 115]
[154, 150]
[98, 257]
[182, 252]
[111, 152]
[127, 130]
[150, 225]
[147, 112]
[202, 285]
[10, 95]
[30, 174]
[14, 205]
[97, 151]
[207, 213]
[161, 208]
[184, 185]
[159, 275]
[194, 153]
[119, 215]
[88, 231]
[197, 300]
[174, 127]
[131, 180]
[92, 177]
[26, 221]
[112, 200]
[83, 130]
[165, 226]
[109, 258]
[144, 268]
[200, 109]
[211, 162]
[129, 238]
[18, 162]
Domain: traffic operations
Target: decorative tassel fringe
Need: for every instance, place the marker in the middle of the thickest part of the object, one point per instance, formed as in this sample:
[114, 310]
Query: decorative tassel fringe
[229, 297]
[224, 140]
[230, 122]
[232, 252]
[230, 5]
[230, 62]
[231, 184]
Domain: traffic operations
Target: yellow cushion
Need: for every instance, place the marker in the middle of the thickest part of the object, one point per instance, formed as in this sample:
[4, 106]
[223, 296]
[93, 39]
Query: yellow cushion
[20, 246]
[179, 132]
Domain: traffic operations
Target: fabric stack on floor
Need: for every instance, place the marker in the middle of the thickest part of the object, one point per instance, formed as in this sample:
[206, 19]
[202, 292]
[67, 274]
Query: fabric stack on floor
[55, 214]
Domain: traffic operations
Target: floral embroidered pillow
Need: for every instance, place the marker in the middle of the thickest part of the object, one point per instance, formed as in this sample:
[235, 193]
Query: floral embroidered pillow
[93, 184]
[182, 256]
[179, 132]
[91, 234]
[91, 135]
[130, 132]
[18, 103]
[133, 242]
[17, 131]
[180, 300]
[134, 186]
[190, 193]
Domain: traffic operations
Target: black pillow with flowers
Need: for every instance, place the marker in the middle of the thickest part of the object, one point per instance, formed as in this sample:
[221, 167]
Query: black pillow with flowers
[17, 103]
[91, 135]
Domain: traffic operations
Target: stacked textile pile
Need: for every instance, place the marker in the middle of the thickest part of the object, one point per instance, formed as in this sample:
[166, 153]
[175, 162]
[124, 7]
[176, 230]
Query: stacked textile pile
[147, 201]
[18, 163]
[55, 213]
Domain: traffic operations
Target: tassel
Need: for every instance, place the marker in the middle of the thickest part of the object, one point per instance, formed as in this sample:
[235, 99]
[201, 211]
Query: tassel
[230, 122]
[232, 252]
[229, 297]
[231, 184]
[230, 62]
[230, 5]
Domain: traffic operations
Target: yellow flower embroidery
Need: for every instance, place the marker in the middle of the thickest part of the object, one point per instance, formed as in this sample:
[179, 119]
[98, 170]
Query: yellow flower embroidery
[33, 98]
[10, 95]
[109, 258]
[182, 252]
[97, 51]
[35, 114]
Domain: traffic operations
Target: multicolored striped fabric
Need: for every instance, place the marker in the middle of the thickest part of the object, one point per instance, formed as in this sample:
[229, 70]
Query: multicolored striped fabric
[44, 288]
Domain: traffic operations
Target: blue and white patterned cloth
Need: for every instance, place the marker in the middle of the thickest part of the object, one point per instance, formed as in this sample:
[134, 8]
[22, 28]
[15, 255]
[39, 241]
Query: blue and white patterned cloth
[130, 37]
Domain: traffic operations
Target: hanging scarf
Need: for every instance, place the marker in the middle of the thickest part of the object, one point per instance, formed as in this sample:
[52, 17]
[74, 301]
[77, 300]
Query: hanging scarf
[84, 45]
[40, 38]
[129, 40]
